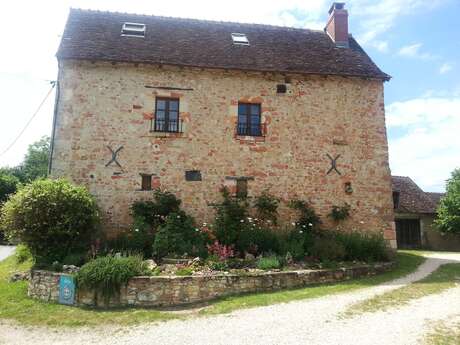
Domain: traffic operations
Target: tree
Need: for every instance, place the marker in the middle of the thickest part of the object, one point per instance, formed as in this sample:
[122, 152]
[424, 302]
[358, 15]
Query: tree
[448, 220]
[35, 164]
[8, 185]
[36, 160]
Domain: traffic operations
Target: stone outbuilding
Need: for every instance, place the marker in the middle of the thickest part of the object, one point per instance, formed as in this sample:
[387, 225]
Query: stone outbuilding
[189, 106]
[415, 212]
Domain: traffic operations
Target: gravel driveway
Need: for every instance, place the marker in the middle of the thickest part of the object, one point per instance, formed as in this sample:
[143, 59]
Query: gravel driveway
[310, 322]
[6, 251]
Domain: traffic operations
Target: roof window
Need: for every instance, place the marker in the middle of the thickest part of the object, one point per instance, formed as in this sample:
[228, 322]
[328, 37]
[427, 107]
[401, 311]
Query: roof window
[133, 29]
[240, 39]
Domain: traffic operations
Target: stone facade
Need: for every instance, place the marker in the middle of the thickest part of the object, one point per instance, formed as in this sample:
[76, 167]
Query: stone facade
[104, 105]
[173, 291]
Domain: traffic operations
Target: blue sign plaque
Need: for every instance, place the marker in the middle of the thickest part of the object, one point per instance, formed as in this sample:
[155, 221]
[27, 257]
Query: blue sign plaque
[66, 290]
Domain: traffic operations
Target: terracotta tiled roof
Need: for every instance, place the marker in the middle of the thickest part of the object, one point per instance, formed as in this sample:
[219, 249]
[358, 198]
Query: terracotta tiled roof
[435, 197]
[95, 35]
[412, 199]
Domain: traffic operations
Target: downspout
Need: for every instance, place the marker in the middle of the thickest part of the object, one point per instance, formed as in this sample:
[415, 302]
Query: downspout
[55, 114]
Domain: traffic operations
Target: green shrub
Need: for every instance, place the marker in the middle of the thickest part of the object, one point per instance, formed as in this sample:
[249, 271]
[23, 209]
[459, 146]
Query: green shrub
[8, 185]
[257, 240]
[238, 263]
[296, 242]
[139, 239]
[231, 219]
[363, 246]
[185, 271]
[52, 217]
[339, 213]
[108, 273]
[154, 213]
[178, 236]
[22, 254]
[214, 263]
[307, 219]
[76, 259]
[269, 262]
[266, 206]
[328, 249]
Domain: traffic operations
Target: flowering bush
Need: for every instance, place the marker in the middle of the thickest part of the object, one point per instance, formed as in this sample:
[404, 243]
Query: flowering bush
[339, 213]
[179, 236]
[222, 251]
[266, 206]
[307, 219]
[230, 219]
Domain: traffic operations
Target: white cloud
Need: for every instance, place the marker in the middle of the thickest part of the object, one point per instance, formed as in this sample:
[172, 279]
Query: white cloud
[413, 51]
[428, 150]
[445, 67]
[378, 17]
[381, 46]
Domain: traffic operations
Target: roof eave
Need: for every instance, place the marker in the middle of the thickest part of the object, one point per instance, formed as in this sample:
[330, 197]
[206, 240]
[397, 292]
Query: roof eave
[383, 77]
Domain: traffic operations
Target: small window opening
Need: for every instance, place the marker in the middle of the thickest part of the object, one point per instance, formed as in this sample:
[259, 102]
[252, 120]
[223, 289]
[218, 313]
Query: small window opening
[240, 39]
[146, 182]
[281, 88]
[241, 188]
[395, 200]
[193, 175]
[133, 29]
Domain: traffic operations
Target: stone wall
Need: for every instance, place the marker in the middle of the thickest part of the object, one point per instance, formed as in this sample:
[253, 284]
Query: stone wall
[173, 291]
[435, 240]
[104, 105]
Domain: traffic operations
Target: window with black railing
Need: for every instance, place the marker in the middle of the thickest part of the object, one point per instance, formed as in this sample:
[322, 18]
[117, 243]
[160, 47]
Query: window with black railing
[167, 116]
[249, 120]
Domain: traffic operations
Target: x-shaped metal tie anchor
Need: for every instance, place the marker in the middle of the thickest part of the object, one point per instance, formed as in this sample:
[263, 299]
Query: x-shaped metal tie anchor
[333, 164]
[114, 156]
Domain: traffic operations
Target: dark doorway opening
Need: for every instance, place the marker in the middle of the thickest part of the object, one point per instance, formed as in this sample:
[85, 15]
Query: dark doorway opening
[408, 233]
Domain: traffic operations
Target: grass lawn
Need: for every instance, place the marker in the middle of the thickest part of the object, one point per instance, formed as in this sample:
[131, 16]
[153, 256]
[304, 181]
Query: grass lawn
[445, 277]
[16, 306]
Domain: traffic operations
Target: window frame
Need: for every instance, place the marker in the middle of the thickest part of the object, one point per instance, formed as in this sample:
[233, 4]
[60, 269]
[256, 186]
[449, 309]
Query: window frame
[148, 180]
[239, 38]
[257, 131]
[241, 188]
[396, 199]
[133, 29]
[166, 127]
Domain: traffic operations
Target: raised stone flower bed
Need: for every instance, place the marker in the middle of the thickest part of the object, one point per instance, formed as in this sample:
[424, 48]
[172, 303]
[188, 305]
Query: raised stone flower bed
[160, 291]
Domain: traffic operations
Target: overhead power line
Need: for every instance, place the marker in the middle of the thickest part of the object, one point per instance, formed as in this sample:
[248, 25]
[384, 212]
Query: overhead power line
[53, 84]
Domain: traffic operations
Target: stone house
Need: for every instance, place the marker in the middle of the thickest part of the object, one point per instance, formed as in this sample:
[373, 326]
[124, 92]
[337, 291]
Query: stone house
[189, 106]
[415, 211]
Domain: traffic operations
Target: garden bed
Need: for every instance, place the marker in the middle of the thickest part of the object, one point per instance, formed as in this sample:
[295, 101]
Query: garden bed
[168, 291]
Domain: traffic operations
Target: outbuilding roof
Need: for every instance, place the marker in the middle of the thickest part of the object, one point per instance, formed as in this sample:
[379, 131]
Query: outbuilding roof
[412, 199]
[96, 35]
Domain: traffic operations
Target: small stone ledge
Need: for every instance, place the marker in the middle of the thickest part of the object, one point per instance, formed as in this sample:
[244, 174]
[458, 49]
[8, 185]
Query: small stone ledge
[168, 291]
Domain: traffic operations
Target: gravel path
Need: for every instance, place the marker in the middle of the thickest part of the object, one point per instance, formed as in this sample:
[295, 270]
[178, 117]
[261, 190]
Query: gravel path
[312, 322]
[6, 251]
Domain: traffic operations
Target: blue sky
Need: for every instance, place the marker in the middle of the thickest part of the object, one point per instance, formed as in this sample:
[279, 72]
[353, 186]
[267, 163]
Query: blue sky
[417, 42]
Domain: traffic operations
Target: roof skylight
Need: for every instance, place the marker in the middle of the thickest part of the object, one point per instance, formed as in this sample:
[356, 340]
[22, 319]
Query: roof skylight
[133, 29]
[240, 39]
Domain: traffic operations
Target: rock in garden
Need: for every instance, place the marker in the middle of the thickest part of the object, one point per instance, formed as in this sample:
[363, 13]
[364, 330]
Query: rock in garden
[70, 269]
[249, 256]
[19, 276]
[151, 264]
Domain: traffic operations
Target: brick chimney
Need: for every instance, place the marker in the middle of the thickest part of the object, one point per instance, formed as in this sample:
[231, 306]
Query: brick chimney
[337, 24]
